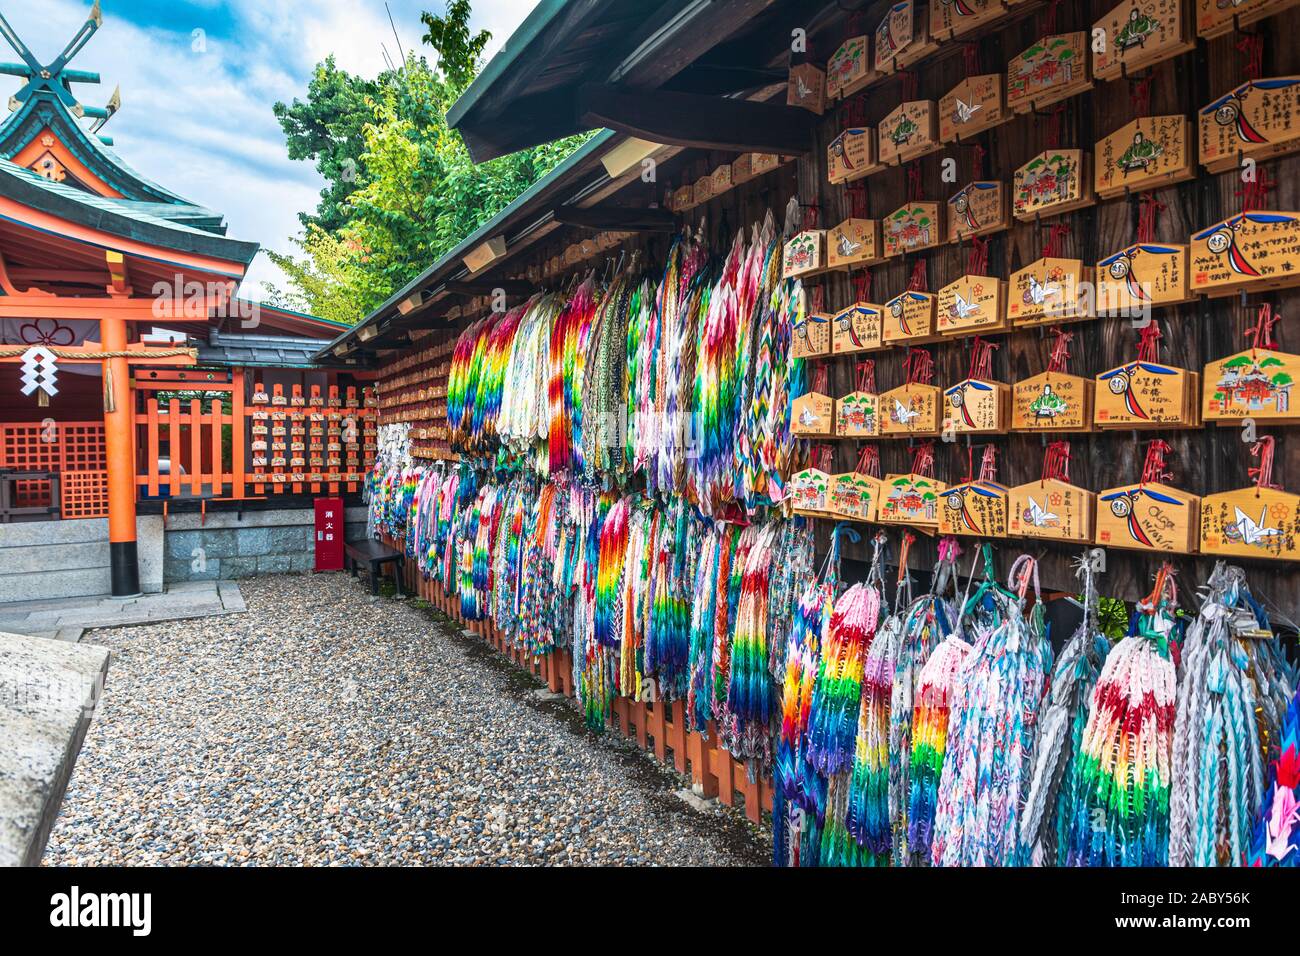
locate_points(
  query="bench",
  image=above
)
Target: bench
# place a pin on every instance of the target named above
(375, 556)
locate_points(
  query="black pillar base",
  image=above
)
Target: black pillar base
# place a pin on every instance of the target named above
(124, 564)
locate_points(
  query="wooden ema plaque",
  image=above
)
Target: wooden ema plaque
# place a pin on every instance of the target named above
(1147, 395)
(950, 19)
(1251, 523)
(1052, 402)
(854, 242)
(975, 508)
(762, 163)
(1049, 291)
(804, 253)
(812, 415)
(1255, 384)
(977, 407)
(1143, 276)
(1257, 250)
(850, 69)
(857, 415)
(852, 155)
(910, 318)
(1053, 69)
(977, 209)
(1050, 509)
(1258, 119)
(910, 410)
(859, 328)
(809, 493)
(1215, 17)
(911, 130)
(910, 499)
(1148, 517)
(806, 88)
(972, 106)
(1145, 154)
(910, 229)
(1139, 33)
(855, 496)
(1055, 181)
(810, 337)
(972, 305)
(902, 38)
(721, 179)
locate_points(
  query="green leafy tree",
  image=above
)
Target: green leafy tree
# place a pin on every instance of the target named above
(458, 51)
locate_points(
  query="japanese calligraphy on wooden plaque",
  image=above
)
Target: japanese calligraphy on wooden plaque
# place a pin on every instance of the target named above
(812, 414)
(850, 69)
(1138, 33)
(855, 496)
(804, 253)
(1053, 69)
(910, 499)
(977, 209)
(1255, 384)
(1217, 17)
(909, 131)
(977, 407)
(910, 317)
(1147, 395)
(910, 409)
(809, 492)
(950, 19)
(1252, 249)
(912, 228)
(1144, 154)
(857, 416)
(972, 106)
(902, 38)
(977, 508)
(854, 242)
(1051, 509)
(1251, 523)
(972, 305)
(1055, 181)
(1258, 119)
(810, 336)
(852, 155)
(1148, 517)
(859, 328)
(1052, 402)
(1050, 290)
(1143, 276)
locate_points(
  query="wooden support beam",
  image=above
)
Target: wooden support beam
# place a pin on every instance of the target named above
(616, 219)
(118, 278)
(473, 287)
(700, 122)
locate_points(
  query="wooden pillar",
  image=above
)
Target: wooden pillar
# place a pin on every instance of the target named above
(119, 446)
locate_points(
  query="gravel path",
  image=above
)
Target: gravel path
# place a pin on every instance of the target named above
(328, 727)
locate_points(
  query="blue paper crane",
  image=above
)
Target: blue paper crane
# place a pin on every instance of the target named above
(55, 78)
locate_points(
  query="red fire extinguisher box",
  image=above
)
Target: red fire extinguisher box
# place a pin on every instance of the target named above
(329, 534)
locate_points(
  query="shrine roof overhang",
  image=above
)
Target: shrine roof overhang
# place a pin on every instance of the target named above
(54, 207)
(258, 351)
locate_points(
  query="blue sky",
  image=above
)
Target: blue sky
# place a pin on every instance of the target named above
(196, 114)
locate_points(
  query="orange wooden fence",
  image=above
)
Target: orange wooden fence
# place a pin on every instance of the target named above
(192, 440)
(69, 448)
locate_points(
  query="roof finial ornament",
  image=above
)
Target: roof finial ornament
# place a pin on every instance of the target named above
(54, 77)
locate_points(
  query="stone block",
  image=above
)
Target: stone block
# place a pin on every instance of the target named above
(232, 568)
(253, 541)
(273, 564)
(290, 540)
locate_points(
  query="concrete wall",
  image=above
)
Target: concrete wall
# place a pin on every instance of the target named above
(235, 546)
(60, 559)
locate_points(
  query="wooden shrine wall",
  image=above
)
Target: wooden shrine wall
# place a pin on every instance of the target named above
(1210, 459)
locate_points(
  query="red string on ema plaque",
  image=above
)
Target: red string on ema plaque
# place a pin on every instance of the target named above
(912, 409)
(1054, 400)
(857, 414)
(1051, 289)
(809, 490)
(911, 317)
(978, 405)
(1254, 384)
(1261, 521)
(812, 414)
(977, 506)
(860, 327)
(855, 494)
(912, 499)
(1149, 515)
(1146, 393)
(1145, 275)
(975, 303)
(1051, 507)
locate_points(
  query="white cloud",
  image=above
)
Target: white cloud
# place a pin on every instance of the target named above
(200, 123)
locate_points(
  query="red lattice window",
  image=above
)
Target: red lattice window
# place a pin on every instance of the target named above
(52, 446)
(84, 494)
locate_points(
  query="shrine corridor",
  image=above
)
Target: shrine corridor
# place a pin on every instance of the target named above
(328, 727)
